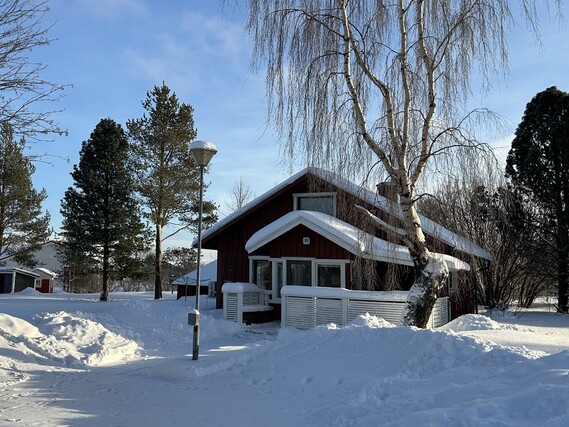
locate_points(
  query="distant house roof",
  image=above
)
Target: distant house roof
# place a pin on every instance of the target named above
(12, 270)
(344, 235)
(45, 271)
(208, 273)
(373, 198)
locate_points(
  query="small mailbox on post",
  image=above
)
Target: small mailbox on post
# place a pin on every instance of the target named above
(193, 318)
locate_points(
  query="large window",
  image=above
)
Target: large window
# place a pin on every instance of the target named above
(261, 276)
(278, 277)
(329, 275)
(319, 202)
(274, 273)
(299, 272)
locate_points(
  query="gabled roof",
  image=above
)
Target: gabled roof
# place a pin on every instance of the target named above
(12, 270)
(344, 235)
(45, 271)
(429, 227)
(208, 273)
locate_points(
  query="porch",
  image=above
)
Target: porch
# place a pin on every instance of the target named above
(305, 307)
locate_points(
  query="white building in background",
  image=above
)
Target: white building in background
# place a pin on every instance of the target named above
(47, 259)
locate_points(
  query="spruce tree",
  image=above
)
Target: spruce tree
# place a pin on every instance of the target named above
(166, 175)
(101, 216)
(23, 225)
(538, 164)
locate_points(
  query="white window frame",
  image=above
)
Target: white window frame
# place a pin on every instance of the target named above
(335, 262)
(287, 259)
(297, 196)
(313, 271)
(274, 276)
(251, 262)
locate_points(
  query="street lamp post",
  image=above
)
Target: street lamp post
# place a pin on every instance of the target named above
(202, 151)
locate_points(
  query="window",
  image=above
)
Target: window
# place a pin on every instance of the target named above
(299, 272)
(261, 273)
(319, 202)
(278, 277)
(452, 281)
(329, 275)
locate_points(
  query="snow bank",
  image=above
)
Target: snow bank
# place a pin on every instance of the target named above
(474, 372)
(474, 322)
(65, 339)
(29, 291)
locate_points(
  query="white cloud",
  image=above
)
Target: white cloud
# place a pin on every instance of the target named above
(217, 37)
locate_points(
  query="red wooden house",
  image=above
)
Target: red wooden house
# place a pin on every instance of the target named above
(304, 232)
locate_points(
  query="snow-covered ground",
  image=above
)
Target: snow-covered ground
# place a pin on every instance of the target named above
(69, 360)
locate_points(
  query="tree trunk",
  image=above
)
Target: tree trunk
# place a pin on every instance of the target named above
(158, 265)
(562, 241)
(429, 279)
(106, 275)
(563, 274)
(430, 272)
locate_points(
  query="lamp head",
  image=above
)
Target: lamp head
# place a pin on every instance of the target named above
(203, 151)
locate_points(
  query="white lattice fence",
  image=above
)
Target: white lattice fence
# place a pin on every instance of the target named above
(307, 307)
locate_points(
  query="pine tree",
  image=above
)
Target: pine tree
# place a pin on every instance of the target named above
(538, 163)
(167, 177)
(23, 227)
(101, 216)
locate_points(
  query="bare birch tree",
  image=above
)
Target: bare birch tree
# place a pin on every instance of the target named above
(353, 84)
(241, 194)
(23, 90)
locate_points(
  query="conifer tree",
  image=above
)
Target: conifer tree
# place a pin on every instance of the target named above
(23, 226)
(538, 164)
(101, 216)
(166, 175)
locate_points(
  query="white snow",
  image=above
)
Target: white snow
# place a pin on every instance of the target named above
(206, 145)
(70, 360)
(324, 292)
(344, 235)
(240, 287)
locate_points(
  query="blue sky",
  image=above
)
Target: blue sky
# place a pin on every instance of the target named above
(114, 51)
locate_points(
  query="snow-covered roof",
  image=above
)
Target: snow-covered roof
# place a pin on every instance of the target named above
(18, 270)
(373, 198)
(208, 273)
(240, 287)
(325, 292)
(45, 271)
(344, 235)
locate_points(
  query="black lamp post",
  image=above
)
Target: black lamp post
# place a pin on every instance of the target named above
(202, 151)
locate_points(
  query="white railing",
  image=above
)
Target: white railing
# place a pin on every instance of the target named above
(305, 307)
(239, 298)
